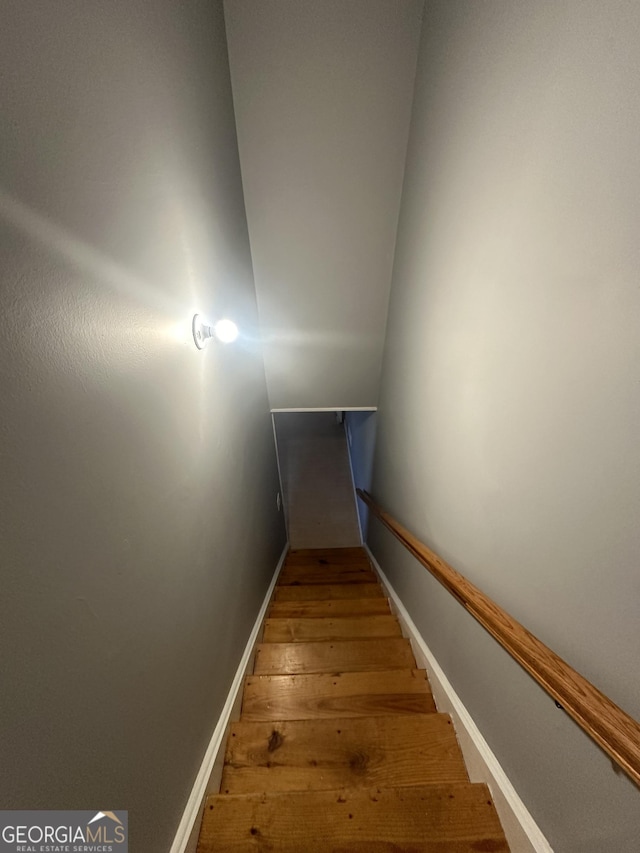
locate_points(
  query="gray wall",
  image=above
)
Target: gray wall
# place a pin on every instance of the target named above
(138, 522)
(322, 91)
(509, 416)
(361, 442)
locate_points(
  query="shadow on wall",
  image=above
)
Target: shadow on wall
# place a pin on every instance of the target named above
(361, 442)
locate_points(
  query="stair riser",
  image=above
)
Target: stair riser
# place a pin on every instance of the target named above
(323, 592)
(346, 628)
(328, 657)
(328, 609)
(305, 578)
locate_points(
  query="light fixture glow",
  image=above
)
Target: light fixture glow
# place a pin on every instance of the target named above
(225, 331)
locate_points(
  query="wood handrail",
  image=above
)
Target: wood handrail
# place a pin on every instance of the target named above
(610, 727)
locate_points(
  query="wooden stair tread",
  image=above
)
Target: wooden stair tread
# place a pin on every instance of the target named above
(323, 609)
(333, 656)
(339, 748)
(340, 555)
(330, 575)
(321, 592)
(347, 694)
(338, 628)
(307, 564)
(313, 564)
(322, 755)
(458, 818)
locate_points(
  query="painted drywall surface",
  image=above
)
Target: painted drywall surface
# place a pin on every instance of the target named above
(361, 441)
(322, 94)
(509, 415)
(138, 521)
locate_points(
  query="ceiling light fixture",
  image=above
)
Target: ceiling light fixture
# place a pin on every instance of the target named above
(224, 330)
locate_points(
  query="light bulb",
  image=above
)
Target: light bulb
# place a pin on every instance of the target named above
(225, 331)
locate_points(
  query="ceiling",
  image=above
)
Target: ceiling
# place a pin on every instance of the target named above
(322, 94)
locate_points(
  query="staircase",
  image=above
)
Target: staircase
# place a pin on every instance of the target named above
(339, 746)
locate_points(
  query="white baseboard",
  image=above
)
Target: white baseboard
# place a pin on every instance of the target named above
(208, 778)
(522, 832)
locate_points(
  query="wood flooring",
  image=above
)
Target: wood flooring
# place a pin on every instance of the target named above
(339, 747)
